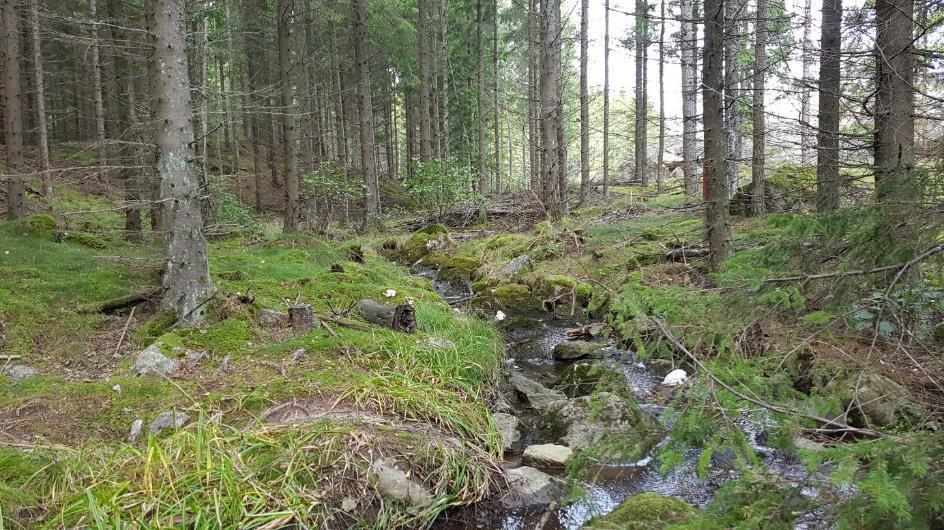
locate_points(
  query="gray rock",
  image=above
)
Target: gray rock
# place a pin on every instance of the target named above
(539, 396)
(507, 426)
(528, 487)
(515, 266)
(547, 455)
(570, 350)
(298, 355)
(437, 343)
(882, 401)
(271, 318)
(395, 484)
(136, 429)
(611, 415)
(21, 372)
(152, 361)
(808, 445)
(166, 420)
(195, 356)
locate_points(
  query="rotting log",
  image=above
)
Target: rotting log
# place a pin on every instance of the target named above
(302, 318)
(398, 318)
(123, 302)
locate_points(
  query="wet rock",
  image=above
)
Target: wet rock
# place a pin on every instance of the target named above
(882, 401)
(539, 396)
(570, 350)
(580, 378)
(649, 511)
(152, 361)
(166, 420)
(136, 427)
(675, 377)
(271, 318)
(528, 487)
(437, 343)
(21, 372)
(629, 431)
(395, 484)
(547, 455)
(508, 427)
(806, 444)
(515, 266)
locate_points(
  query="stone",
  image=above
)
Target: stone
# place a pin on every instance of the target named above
(515, 266)
(507, 426)
(136, 427)
(195, 356)
(644, 511)
(882, 401)
(547, 455)
(570, 350)
(166, 420)
(590, 419)
(528, 487)
(437, 343)
(675, 377)
(805, 444)
(298, 355)
(152, 361)
(539, 396)
(395, 484)
(21, 372)
(348, 504)
(271, 318)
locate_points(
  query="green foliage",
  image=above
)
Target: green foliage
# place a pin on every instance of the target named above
(644, 511)
(332, 182)
(438, 185)
(227, 210)
(756, 501)
(41, 225)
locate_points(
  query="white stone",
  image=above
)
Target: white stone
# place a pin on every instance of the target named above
(547, 455)
(675, 377)
(395, 484)
(135, 431)
(390, 293)
(152, 361)
(500, 315)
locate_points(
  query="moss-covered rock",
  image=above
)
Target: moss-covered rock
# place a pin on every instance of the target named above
(432, 238)
(41, 225)
(881, 401)
(514, 297)
(86, 240)
(553, 285)
(608, 427)
(484, 284)
(644, 511)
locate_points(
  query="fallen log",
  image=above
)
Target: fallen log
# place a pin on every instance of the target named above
(123, 302)
(398, 318)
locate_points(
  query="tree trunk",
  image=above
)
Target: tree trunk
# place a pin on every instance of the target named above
(606, 98)
(584, 103)
(661, 162)
(426, 150)
(233, 134)
(641, 39)
(827, 152)
(480, 100)
(446, 136)
(253, 60)
(97, 87)
(13, 111)
(435, 129)
(894, 102)
(288, 117)
(551, 119)
(732, 111)
(40, 84)
(186, 278)
(688, 44)
(716, 196)
(304, 97)
(495, 114)
(364, 108)
(806, 129)
(758, 202)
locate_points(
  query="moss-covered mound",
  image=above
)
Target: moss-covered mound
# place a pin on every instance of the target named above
(428, 239)
(454, 268)
(512, 297)
(645, 511)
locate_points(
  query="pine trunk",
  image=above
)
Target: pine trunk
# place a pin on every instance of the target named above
(40, 86)
(13, 111)
(364, 108)
(716, 196)
(758, 160)
(584, 103)
(688, 44)
(288, 117)
(827, 152)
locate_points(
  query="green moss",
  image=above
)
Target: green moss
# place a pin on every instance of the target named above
(41, 225)
(508, 297)
(459, 269)
(543, 228)
(432, 229)
(154, 327)
(425, 240)
(228, 337)
(551, 285)
(86, 240)
(487, 283)
(644, 511)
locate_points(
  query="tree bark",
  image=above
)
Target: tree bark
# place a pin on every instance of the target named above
(758, 160)
(716, 196)
(827, 152)
(13, 111)
(480, 100)
(806, 129)
(732, 111)
(426, 150)
(97, 87)
(551, 124)
(397, 318)
(661, 167)
(39, 82)
(495, 114)
(186, 279)
(364, 107)
(606, 98)
(288, 117)
(688, 44)
(253, 60)
(584, 103)
(641, 39)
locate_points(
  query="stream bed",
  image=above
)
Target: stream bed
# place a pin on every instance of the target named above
(530, 353)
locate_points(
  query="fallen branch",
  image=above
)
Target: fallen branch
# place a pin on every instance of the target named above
(835, 425)
(343, 323)
(131, 300)
(900, 267)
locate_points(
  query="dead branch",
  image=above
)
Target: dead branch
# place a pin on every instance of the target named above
(900, 267)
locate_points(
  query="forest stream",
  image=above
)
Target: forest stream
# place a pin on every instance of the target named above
(530, 353)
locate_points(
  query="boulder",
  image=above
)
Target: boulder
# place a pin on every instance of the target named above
(644, 511)
(539, 396)
(21, 372)
(166, 420)
(880, 400)
(528, 487)
(152, 361)
(508, 427)
(511, 297)
(629, 431)
(271, 318)
(395, 484)
(432, 238)
(547, 455)
(515, 266)
(570, 350)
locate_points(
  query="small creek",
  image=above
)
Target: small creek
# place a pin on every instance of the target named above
(530, 353)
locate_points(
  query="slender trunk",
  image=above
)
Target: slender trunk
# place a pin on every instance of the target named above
(827, 162)
(232, 135)
(584, 103)
(288, 117)
(97, 87)
(364, 107)
(534, 141)
(716, 196)
(642, 37)
(688, 45)
(186, 278)
(339, 125)
(758, 202)
(426, 150)
(40, 99)
(444, 129)
(304, 96)
(732, 112)
(551, 125)
(435, 129)
(606, 98)
(13, 111)
(253, 60)
(480, 100)
(495, 114)
(806, 129)
(661, 163)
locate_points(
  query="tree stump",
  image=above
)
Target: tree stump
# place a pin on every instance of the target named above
(398, 318)
(302, 318)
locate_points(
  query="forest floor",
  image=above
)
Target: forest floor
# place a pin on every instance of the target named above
(282, 427)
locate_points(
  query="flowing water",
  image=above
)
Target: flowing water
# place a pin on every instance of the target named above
(530, 352)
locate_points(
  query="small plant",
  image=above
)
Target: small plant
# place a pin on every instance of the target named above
(439, 185)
